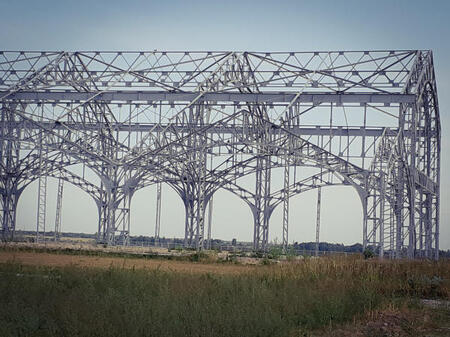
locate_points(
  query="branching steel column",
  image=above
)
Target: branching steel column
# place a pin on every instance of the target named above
(262, 211)
(123, 220)
(124, 193)
(200, 211)
(8, 209)
(9, 160)
(262, 204)
(108, 205)
(195, 183)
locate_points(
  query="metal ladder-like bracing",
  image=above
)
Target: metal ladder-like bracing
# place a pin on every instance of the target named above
(58, 219)
(158, 212)
(319, 197)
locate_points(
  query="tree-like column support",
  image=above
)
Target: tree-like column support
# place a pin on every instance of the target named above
(8, 203)
(194, 181)
(201, 204)
(9, 159)
(107, 207)
(194, 203)
(114, 207)
(114, 218)
(122, 224)
(9, 163)
(262, 210)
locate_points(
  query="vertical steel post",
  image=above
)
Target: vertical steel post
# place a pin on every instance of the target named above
(412, 185)
(58, 219)
(210, 211)
(286, 204)
(42, 187)
(319, 196)
(158, 211)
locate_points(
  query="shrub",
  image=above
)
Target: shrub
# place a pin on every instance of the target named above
(368, 253)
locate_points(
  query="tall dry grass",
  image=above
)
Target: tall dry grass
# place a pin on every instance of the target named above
(279, 300)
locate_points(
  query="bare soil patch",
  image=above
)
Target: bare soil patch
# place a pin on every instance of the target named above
(61, 260)
(401, 322)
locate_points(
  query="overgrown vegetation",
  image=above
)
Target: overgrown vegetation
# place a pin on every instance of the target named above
(290, 299)
(368, 253)
(191, 255)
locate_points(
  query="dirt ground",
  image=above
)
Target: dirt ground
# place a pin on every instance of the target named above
(61, 260)
(425, 322)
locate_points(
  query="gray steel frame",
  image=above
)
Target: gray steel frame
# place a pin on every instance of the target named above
(203, 121)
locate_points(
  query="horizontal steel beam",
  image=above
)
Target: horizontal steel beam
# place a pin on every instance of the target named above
(213, 98)
(186, 127)
(423, 181)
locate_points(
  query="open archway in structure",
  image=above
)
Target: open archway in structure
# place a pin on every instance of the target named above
(231, 217)
(341, 217)
(143, 213)
(79, 212)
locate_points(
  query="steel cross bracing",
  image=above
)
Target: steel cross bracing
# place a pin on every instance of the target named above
(114, 122)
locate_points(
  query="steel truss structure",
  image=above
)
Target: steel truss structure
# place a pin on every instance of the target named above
(114, 122)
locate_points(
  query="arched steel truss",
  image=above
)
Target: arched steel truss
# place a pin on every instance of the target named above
(201, 121)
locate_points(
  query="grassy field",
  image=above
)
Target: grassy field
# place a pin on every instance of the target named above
(313, 297)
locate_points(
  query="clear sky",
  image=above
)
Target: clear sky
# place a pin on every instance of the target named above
(234, 25)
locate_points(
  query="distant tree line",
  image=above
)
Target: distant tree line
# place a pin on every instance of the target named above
(329, 247)
(143, 240)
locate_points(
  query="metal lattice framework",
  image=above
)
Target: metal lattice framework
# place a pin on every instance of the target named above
(114, 122)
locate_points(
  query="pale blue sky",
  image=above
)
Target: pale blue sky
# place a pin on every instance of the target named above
(236, 25)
